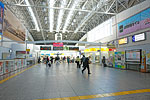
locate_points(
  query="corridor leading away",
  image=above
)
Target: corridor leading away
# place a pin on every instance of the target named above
(59, 81)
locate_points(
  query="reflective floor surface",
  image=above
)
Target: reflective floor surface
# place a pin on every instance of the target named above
(63, 80)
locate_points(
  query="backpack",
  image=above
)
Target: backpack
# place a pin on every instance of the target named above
(83, 59)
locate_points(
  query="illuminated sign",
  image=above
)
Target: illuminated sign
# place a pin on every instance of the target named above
(0, 37)
(57, 48)
(96, 49)
(123, 41)
(137, 22)
(45, 48)
(57, 44)
(138, 37)
(74, 48)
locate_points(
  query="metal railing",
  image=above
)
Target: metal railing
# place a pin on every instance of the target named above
(10, 66)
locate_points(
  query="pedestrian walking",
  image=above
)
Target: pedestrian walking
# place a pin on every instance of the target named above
(86, 65)
(104, 61)
(83, 61)
(47, 60)
(78, 62)
(51, 59)
(68, 60)
(64, 58)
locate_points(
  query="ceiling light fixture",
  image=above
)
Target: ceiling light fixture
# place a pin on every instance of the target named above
(61, 12)
(32, 15)
(70, 15)
(51, 15)
(79, 13)
(74, 20)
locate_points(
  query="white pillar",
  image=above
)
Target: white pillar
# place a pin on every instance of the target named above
(100, 54)
(26, 39)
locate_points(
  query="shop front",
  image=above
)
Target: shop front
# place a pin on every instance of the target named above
(95, 53)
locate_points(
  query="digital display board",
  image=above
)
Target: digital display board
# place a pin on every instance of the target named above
(74, 48)
(138, 37)
(57, 48)
(45, 48)
(123, 41)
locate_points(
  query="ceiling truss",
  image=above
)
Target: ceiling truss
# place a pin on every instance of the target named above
(86, 15)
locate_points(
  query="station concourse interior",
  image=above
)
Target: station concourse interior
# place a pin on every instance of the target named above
(74, 49)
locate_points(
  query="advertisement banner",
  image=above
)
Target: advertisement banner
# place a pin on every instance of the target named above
(1, 17)
(148, 57)
(120, 60)
(137, 22)
(111, 59)
(143, 63)
(1, 68)
(0, 38)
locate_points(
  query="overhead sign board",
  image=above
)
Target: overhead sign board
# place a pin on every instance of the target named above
(45, 48)
(135, 23)
(57, 48)
(74, 48)
(123, 41)
(57, 44)
(138, 37)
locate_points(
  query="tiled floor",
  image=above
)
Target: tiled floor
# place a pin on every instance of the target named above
(62, 80)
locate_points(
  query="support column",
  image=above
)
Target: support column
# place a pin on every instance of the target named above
(100, 54)
(26, 40)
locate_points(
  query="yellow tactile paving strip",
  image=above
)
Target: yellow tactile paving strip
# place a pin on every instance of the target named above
(100, 95)
(2, 81)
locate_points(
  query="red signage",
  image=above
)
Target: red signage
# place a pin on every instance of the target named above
(57, 44)
(113, 49)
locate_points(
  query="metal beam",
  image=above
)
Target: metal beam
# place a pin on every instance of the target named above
(111, 5)
(38, 20)
(59, 8)
(122, 4)
(56, 30)
(86, 18)
(65, 41)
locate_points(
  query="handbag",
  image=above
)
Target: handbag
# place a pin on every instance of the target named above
(89, 62)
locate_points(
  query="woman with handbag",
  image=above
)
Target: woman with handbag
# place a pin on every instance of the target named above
(78, 61)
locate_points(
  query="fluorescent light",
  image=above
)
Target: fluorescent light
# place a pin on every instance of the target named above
(63, 2)
(61, 12)
(32, 15)
(70, 15)
(51, 15)
(74, 20)
(79, 13)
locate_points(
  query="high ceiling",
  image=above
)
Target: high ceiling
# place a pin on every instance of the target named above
(72, 18)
